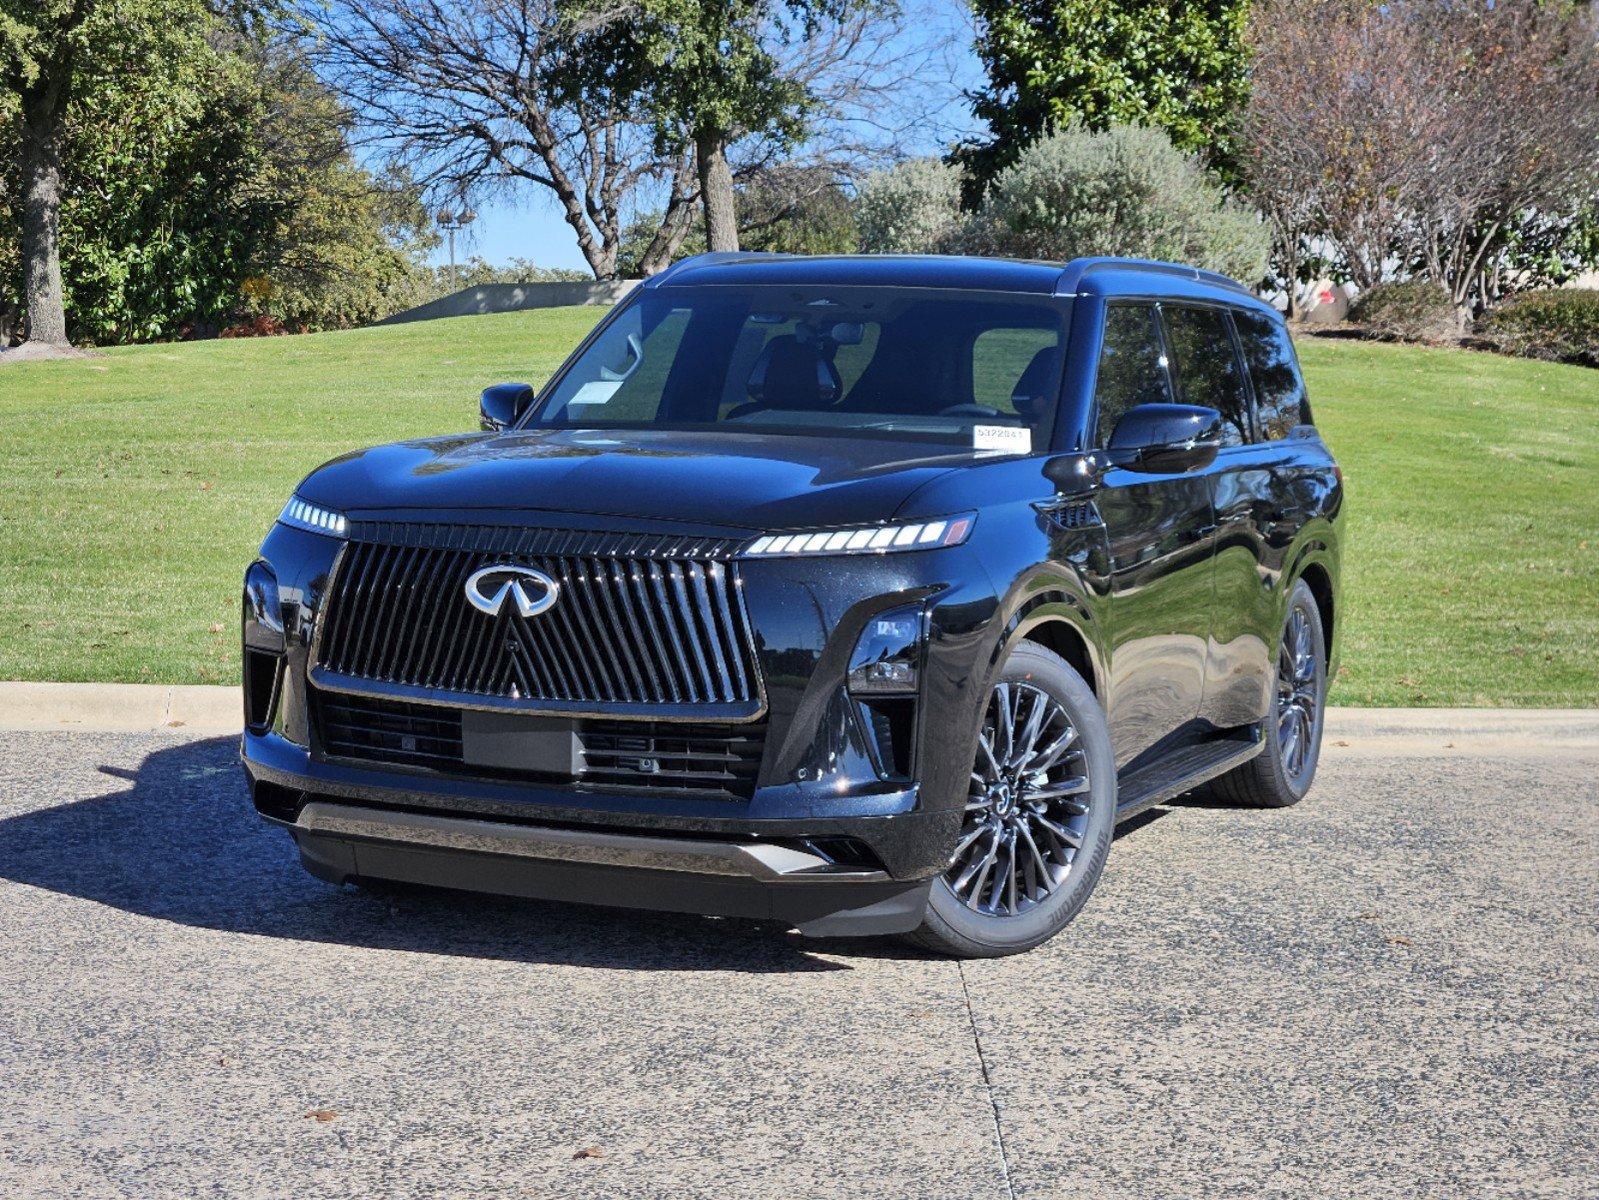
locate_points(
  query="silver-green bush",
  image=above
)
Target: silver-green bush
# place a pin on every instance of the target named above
(912, 208)
(1126, 191)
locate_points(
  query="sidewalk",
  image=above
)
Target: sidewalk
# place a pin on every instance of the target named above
(137, 707)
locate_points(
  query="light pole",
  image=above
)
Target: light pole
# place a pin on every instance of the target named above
(451, 220)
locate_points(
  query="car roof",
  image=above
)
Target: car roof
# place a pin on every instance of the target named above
(1103, 277)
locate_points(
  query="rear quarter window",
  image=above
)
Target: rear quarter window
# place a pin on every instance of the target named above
(1280, 401)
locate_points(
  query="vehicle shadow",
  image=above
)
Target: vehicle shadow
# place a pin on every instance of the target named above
(184, 844)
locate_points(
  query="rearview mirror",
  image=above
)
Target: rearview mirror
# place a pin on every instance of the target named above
(503, 404)
(1166, 439)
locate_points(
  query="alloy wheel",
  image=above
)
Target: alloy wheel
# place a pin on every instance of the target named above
(1297, 695)
(1027, 806)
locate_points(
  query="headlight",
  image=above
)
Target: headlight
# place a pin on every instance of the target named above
(873, 539)
(301, 515)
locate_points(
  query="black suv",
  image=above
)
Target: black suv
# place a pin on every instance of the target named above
(862, 594)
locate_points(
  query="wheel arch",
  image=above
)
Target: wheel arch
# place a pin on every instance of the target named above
(1319, 580)
(1062, 624)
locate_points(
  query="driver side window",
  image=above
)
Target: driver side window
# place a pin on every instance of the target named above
(1132, 365)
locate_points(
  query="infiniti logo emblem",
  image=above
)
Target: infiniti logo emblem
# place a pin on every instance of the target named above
(533, 591)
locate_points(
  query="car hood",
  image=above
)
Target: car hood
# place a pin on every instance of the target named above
(752, 481)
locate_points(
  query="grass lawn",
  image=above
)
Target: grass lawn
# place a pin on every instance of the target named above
(137, 485)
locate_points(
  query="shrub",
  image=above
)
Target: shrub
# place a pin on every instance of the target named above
(1558, 325)
(1126, 191)
(912, 208)
(1412, 310)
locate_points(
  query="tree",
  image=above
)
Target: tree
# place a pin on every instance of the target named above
(481, 95)
(205, 177)
(755, 79)
(40, 41)
(1179, 65)
(1449, 141)
(1124, 191)
(784, 209)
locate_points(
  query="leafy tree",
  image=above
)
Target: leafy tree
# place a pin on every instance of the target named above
(712, 72)
(40, 43)
(1179, 65)
(205, 177)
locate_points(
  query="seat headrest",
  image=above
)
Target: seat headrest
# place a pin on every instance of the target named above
(1029, 397)
(793, 374)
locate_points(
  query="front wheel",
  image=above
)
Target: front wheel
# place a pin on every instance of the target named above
(1040, 812)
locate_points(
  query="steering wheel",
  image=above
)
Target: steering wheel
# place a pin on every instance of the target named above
(969, 410)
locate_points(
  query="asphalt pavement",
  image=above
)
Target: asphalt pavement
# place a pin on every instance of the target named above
(1390, 990)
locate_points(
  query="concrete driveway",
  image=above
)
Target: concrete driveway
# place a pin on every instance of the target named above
(1390, 990)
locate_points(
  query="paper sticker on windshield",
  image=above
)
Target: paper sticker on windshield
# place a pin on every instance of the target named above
(597, 392)
(1012, 439)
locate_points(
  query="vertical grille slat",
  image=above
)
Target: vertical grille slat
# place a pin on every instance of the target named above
(640, 619)
(677, 656)
(727, 627)
(614, 629)
(702, 601)
(685, 612)
(638, 576)
(624, 600)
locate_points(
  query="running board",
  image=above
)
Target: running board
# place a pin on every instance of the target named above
(1182, 771)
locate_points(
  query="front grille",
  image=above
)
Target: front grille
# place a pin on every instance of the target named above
(658, 756)
(641, 622)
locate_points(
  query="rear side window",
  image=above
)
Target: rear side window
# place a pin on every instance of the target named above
(1207, 368)
(1273, 369)
(1132, 366)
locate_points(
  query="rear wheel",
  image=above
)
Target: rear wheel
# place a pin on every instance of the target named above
(1040, 812)
(1283, 771)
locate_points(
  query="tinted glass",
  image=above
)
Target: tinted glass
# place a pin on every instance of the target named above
(846, 361)
(1207, 368)
(1132, 369)
(1273, 369)
(1010, 367)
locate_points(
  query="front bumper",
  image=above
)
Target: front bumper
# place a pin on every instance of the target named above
(760, 880)
(354, 822)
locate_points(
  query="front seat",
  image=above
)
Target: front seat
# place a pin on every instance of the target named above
(1030, 396)
(793, 375)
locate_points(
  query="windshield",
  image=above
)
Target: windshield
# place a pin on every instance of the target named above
(971, 368)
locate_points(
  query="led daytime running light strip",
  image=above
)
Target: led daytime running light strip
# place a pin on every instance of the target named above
(308, 516)
(878, 539)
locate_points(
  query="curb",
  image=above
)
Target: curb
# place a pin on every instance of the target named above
(120, 707)
(1409, 732)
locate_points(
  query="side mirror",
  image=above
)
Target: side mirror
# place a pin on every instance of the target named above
(1074, 474)
(1166, 439)
(503, 404)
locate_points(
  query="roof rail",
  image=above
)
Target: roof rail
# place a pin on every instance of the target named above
(710, 258)
(1071, 278)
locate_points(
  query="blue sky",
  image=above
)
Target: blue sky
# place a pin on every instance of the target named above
(529, 225)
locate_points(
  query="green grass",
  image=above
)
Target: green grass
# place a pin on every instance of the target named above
(136, 486)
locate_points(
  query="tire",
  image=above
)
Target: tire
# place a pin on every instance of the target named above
(1038, 885)
(1283, 771)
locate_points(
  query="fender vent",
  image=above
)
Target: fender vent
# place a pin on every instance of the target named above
(1080, 514)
